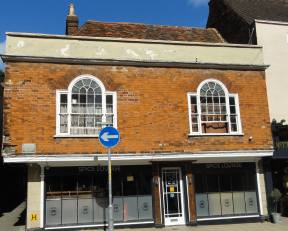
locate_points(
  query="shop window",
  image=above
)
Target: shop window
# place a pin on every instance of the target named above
(85, 108)
(213, 110)
(220, 193)
(81, 197)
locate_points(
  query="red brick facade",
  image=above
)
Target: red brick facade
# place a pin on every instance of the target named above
(152, 108)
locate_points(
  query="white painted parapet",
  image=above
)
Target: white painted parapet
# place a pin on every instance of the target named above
(78, 47)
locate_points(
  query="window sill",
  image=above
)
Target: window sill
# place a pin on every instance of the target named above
(76, 136)
(216, 134)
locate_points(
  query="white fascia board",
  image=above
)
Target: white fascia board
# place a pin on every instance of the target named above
(136, 157)
(271, 22)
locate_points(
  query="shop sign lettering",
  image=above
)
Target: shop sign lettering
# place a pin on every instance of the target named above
(98, 169)
(224, 165)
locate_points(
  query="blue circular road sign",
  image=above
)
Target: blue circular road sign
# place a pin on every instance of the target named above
(109, 137)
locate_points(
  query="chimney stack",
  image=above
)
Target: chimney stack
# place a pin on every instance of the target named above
(71, 21)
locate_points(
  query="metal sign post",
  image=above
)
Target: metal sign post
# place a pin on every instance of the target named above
(110, 208)
(109, 137)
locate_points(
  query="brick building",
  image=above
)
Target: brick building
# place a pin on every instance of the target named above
(264, 23)
(191, 109)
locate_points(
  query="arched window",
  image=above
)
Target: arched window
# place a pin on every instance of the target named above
(212, 110)
(85, 108)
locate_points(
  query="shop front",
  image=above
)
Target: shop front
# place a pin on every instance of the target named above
(226, 190)
(195, 193)
(78, 196)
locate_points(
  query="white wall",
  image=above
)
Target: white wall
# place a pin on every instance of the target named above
(273, 37)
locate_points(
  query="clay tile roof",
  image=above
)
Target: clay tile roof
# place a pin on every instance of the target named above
(274, 10)
(153, 32)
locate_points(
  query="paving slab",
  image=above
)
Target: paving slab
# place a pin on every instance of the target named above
(8, 220)
(265, 226)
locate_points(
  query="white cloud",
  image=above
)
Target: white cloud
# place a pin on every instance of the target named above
(198, 2)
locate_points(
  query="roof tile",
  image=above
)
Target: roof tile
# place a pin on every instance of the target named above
(249, 10)
(153, 32)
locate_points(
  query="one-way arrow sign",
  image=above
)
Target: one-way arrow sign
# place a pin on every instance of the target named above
(109, 137)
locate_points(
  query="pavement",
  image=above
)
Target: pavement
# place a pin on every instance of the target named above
(8, 221)
(265, 226)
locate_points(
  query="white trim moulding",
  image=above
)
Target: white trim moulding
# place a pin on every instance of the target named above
(223, 218)
(134, 157)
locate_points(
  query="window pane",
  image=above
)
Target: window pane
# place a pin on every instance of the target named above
(83, 90)
(109, 120)
(63, 103)
(109, 99)
(83, 98)
(90, 98)
(98, 90)
(200, 183)
(98, 108)
(63, 124)
(212, 183)
(86, 82)
(225, 183)
(194, 119)
(234, 128)
(53, 187)
(129, 185)
(194, 108)
(94, 85)
(69, 188)
(75, 98)
(98, 98)
(232, 100)
(109, 104)
(75, 89)
(90, 108)
(63, 99)
(79, 84)
(222, 100)
(84, 186)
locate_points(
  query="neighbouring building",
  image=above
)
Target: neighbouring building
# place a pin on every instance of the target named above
(13, 193)
(265, 23)
(1, 107)
(191, 109)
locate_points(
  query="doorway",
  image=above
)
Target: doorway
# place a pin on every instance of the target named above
(172, 193)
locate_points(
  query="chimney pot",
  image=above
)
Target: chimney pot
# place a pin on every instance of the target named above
(71, 10)
(71, 21)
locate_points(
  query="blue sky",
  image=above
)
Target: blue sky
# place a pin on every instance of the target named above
(48, 16)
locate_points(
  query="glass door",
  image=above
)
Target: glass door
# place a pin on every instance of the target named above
(172, 192)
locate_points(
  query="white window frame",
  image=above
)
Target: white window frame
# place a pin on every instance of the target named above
(69, 109)
(227, 95)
